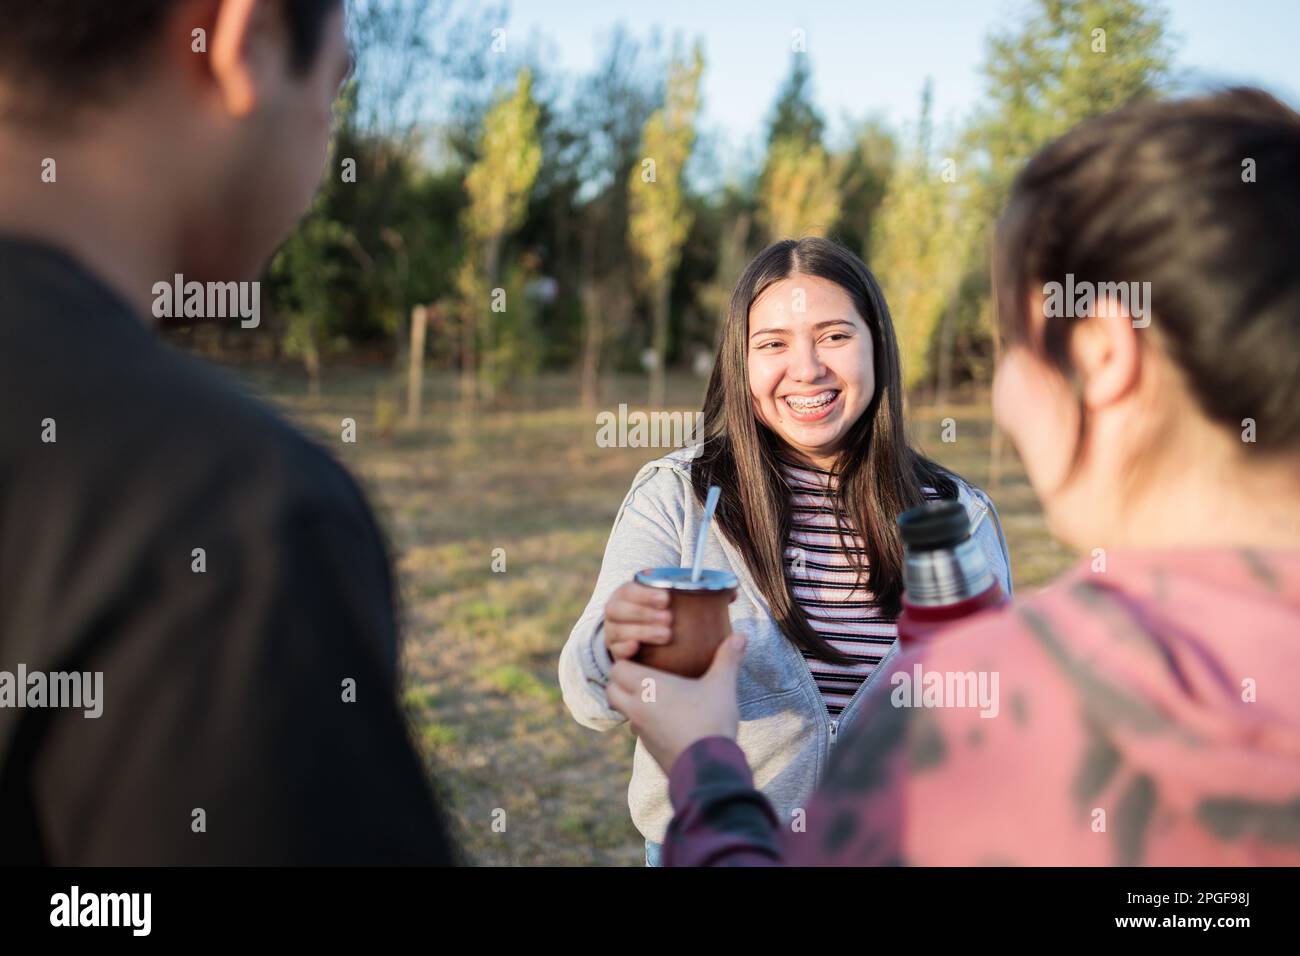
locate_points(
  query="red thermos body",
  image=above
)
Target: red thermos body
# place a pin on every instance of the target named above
(945, 574)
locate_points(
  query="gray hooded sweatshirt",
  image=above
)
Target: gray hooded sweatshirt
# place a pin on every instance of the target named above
(785, 730)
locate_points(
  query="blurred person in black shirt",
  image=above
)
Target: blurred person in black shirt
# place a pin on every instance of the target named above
(248, 709)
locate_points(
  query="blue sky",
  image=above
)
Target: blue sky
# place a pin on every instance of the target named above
(871, 58)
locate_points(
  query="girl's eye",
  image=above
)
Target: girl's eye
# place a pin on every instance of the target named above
(777, 343)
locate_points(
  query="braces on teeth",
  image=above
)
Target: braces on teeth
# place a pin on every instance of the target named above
(803, 403)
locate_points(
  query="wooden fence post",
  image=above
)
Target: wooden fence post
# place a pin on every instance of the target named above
(415, 377)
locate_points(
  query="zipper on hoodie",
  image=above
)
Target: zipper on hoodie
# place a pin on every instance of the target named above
(832, 724)
(859, 692)
(835, 724)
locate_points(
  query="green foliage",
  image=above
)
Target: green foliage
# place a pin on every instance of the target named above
(800, 190)
(511, 344)
(516, 182)
(795, 117)
(660, 219)
(498, 186)
(302, 274)
(510, 156)
(381, 236)
(920, 245)
(1042, 78)
(865, 170)
(1052, 72)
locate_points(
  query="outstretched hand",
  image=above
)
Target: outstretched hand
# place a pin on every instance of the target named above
(669, 713)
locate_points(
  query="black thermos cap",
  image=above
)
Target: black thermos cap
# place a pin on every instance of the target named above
(935, 524)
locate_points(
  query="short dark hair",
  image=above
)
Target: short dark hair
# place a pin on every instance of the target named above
(65, 52)
(1201, 198)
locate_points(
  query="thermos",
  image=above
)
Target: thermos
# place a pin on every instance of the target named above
(945, 574)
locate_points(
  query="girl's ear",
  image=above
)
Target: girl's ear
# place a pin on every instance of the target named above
(1106, 352)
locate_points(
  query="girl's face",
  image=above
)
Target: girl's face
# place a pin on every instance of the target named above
(810, 362)
(1032, 404)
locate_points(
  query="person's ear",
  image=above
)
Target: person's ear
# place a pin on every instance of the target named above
(245, 52)
(1107, 353)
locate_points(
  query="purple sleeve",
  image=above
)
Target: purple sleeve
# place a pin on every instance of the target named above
(720, 819)
(856, 817)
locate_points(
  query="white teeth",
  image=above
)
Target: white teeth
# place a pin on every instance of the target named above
(807, 404)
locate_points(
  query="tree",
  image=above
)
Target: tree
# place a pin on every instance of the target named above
(867, 164)
(301, 273)
(395, 59)
(349, 272)
(735, 216)
(498, 185)
(659, 219)
(794, 116)
(1070, 60)
(920, 245)
(613, 105)
(800, 190)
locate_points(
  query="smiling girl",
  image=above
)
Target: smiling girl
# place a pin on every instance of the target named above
(803, 432)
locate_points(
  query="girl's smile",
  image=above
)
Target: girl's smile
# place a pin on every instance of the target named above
(813, 408)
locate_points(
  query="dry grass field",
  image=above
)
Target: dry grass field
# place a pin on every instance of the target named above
(481, 646)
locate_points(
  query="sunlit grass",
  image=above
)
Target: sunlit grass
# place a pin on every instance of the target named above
(528, 485)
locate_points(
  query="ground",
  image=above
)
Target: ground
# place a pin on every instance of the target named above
(482, 646)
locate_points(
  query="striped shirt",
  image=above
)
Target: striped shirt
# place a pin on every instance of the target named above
(825, 584)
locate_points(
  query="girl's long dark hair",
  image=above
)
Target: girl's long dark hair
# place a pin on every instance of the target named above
(880, 474)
